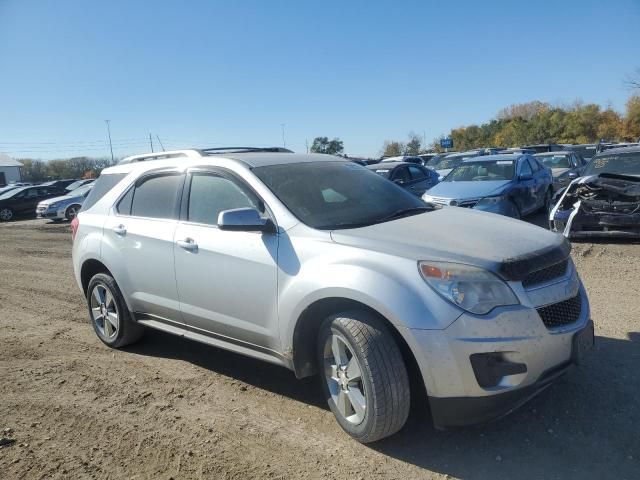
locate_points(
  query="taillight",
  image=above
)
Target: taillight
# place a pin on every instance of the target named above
(75, 223)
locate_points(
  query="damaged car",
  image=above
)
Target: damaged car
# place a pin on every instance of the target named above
(605, 201)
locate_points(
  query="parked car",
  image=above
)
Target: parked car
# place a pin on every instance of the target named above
(78, 183)
(565, 166)
(414, 178)
(585, 150)
(605, 201)
(444, 165)
(9, 187)
(430, 159)
(510, 185)
(60, 184)
(544, 147)
(608, 146)
(23, 200)
(403, 158)
(64, 207)
(347, 276)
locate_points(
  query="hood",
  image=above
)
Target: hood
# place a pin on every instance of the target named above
(62, 198)
(462, 190)
(508, 247)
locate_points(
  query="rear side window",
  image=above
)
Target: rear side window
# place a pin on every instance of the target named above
(102, 185)
(156, 196)
(416, 173)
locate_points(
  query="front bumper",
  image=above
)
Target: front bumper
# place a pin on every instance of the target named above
(51, 213)
(533, 354)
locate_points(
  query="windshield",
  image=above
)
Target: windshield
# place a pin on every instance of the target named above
(585, 151)
(554, 161)
(482, 171)
(75, 185)
(80, 191)
(333, 195)
(621, 164)
(448, 162)
(11, 193)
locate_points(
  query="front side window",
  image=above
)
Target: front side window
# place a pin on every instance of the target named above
(416, 173)
(156, 196)
(211, 194)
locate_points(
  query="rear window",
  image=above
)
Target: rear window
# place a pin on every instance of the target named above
(102, 185)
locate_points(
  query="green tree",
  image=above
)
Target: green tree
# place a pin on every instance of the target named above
(631, 127)
(393, 149)
(324, 145)
(414, 145)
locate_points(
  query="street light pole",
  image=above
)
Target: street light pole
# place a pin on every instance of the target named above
(109, 133)
(284, 144)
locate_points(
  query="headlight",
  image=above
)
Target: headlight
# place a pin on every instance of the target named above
(471, 288)
(492, 200)
(427, 198)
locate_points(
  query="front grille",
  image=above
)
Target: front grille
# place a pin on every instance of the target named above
(468, 203)
(546, 274)
(561, 313)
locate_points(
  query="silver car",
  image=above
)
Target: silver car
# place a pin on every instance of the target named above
(321, 266)
(65, 207)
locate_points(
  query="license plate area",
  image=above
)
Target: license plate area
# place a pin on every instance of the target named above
(582, 343)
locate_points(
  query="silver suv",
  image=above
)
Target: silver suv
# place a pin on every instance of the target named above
(321, 266)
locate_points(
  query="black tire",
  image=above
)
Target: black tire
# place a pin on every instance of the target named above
(127, 331)
(71, 212)
(384, 377)
(6, 214)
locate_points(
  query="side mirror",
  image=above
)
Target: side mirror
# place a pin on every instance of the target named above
(525, 177)
(398, 181)
(244, 220)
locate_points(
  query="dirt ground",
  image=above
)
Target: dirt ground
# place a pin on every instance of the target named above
(170, 408)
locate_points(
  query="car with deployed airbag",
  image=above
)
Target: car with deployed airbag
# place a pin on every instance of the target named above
(319, 265)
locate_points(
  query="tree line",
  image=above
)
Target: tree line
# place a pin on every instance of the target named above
(520, 124)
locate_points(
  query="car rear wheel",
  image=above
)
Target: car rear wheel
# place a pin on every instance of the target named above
(71, 212)
(109, 314)
(363, 375)
(6, 214)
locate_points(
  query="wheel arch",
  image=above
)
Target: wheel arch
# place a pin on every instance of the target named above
(308, 326)
(90, 268)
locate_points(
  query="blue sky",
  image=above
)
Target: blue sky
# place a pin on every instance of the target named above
(199, 73)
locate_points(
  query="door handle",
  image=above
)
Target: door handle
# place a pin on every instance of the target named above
(120, 230)
(188, 244)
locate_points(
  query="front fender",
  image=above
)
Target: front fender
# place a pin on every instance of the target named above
(391, 286)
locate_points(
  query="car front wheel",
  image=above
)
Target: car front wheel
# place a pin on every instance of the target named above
(363, 375)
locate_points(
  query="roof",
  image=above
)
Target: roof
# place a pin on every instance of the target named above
(263, 159)
(493, 158)
(7, 161)
(553, 154)
(388, 165)
(632, 149)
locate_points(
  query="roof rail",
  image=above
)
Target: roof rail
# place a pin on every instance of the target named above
(160, 156)
(222, 150)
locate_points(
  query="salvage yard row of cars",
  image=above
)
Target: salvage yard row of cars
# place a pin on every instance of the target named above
(56, 200)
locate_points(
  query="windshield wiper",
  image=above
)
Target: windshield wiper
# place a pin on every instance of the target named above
(403, 212)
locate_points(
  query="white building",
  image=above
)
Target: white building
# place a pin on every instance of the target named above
(9, 170)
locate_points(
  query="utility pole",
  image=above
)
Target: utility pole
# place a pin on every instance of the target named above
(110, 145)
(161, 145)
(151, 142)
(284, 144)
(306, 141)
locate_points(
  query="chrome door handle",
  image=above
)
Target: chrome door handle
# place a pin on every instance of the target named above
(188, 244)
(120, 230)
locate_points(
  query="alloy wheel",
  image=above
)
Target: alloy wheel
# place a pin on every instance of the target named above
(104, 311)
(344, 378)
(72, 212)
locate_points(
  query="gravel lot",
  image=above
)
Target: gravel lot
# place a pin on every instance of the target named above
(168, 407)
